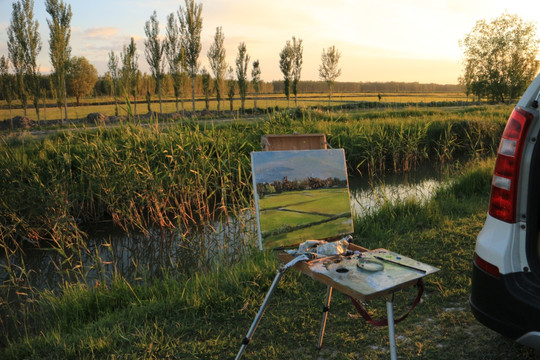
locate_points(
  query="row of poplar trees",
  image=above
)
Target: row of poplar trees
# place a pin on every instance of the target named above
(181, 48)
(24, 45)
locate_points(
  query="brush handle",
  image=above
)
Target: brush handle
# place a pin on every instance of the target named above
(400, 264)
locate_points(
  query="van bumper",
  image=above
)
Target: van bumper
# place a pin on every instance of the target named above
(505, 304)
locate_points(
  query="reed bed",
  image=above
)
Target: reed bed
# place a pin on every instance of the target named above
(137, 177)
(398, 140)
(190, 174)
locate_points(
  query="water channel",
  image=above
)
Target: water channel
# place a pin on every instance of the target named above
(139, 258)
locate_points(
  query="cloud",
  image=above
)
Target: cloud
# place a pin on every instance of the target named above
(100, 33)
(45, 69)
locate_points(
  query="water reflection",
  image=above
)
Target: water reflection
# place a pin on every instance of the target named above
(368, 194)
(140, 258)
(367, 201)
(135, 257)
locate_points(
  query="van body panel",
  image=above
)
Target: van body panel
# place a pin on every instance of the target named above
(509, 301)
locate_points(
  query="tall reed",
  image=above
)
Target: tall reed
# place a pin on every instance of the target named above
(188, 174)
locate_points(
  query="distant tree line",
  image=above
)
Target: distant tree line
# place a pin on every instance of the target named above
(104, 87)
(357, 87)
(310, 183)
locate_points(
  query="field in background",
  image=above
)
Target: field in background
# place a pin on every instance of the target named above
(264, 102)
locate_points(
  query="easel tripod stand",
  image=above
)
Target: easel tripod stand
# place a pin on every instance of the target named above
(326, 308)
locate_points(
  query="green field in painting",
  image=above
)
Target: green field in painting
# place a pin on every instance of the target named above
(285, 218)
(327, 201)
(275, 219)
(336, 227)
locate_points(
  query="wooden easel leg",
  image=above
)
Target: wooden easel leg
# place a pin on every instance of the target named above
(326, 308)
(391, 329)
(260, 314)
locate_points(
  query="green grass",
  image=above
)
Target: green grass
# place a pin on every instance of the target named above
(207, 315)
(317, 201)
(326, 201)
(55, 187)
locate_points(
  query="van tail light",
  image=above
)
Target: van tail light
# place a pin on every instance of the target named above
(487, 267)
(502, 204)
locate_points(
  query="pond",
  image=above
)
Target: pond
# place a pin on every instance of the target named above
(136, 257)
(140, 258)
(368, 194)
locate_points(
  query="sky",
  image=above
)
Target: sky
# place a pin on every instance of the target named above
(270, 166)
(379, 40)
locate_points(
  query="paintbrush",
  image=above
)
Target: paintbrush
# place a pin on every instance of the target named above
(400, 264)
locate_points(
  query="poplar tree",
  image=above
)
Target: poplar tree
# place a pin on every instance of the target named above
(286, 57)
(60, 51)
(256, 81)
(205, 82)
(24, 44)
(33, 49)
(130, 72)
(114, 72)
(154, 49)
(6, 84)
(175, 57)
(16, 47)
(328, 70)
(191, 28)
(242, 62)
(296, 66)
(216, 57)
(231, 86)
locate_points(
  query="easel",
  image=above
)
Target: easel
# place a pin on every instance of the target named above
(303, 266)
(301, 263)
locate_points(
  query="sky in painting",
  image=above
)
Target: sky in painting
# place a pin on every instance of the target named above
(270, 166)
(386, 40)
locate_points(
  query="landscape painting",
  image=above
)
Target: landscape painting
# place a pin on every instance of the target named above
(300, 195)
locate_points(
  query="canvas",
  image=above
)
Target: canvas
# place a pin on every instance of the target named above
(300, 195)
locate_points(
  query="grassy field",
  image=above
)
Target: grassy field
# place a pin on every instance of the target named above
(266, 101)
(206, 316)
(325, 230)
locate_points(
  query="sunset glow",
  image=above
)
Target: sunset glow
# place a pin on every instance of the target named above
(389, 40)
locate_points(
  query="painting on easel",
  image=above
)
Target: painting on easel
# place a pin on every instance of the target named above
(300, 195)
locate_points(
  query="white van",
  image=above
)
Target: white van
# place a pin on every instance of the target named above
(505, 293)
